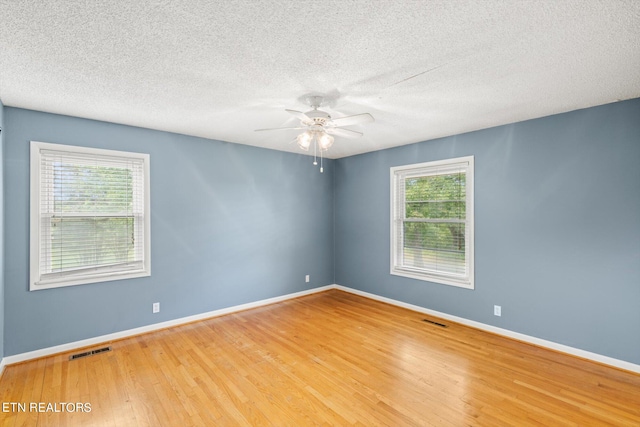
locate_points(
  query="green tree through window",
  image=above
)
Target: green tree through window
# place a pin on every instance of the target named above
(93, 223)
(439, 244)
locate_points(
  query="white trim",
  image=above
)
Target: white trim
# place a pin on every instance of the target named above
(606, 360)
(22, 357)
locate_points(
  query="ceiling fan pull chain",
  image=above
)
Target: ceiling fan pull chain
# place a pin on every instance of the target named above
(315, 151)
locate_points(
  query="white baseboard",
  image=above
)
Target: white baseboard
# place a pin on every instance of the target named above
(621, 364)
(22, 357)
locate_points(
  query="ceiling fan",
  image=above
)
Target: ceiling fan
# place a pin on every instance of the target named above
(319, 127)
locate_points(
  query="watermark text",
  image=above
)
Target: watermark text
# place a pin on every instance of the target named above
(46, 407)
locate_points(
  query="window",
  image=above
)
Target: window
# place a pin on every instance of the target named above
(432, 221)
(89, 215)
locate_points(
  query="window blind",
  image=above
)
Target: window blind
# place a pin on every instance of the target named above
(92, 214)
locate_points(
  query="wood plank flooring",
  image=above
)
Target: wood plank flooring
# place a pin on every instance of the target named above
(332, 359)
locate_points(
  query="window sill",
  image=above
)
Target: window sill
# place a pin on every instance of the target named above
(71, 281)
(426, 277)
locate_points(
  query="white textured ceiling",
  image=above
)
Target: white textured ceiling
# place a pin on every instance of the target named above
(423, 69)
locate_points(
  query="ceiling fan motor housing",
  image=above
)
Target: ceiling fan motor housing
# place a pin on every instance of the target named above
(317, 117)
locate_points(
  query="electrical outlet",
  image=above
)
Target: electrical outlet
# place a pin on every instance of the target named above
(306, 278)
(497, 310)
(156, 307)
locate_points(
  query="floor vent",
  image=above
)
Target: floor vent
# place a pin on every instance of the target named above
(442, 325)
(89, 353)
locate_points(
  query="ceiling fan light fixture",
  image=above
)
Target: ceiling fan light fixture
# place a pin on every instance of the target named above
(304, 140)
(325, 141)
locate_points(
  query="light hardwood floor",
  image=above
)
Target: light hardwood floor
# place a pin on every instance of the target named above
(331, 358)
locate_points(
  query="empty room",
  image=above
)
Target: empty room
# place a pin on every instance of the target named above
(293, 213)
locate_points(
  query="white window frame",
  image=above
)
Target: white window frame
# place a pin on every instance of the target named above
(397, 215)
(36, 281)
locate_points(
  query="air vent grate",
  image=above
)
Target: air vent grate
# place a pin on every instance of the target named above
(89, 353)
(442, 325)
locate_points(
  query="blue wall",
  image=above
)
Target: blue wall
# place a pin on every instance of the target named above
(1, 233)
(557, 228)
(230, 224)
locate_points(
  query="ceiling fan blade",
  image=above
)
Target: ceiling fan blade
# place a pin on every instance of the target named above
(352, 120)
(297, 127)
(300, 115)
(347, 133)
